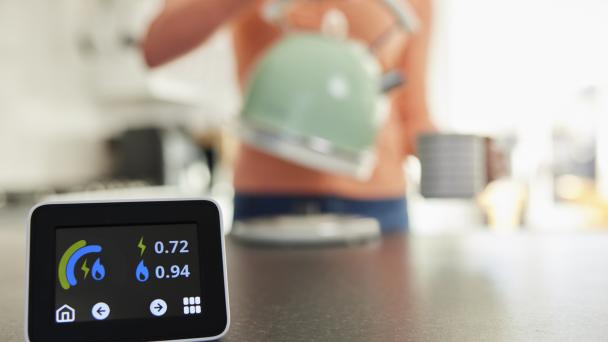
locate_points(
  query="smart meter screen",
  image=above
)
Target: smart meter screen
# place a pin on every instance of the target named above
(127, 272)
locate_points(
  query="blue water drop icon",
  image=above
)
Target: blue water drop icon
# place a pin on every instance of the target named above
(141, 273)
(98, 272)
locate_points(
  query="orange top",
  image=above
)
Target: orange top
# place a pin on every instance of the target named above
(184, 24)
(261, 173)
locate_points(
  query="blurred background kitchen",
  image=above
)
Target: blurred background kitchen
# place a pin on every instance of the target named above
(517, 89)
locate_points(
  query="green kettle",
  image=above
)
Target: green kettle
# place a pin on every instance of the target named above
(318, 100)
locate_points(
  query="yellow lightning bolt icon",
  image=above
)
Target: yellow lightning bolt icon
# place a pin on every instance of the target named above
(85, 269)
(141, 246)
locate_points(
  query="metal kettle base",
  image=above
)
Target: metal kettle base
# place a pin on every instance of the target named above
(312, 152)
(307, 230)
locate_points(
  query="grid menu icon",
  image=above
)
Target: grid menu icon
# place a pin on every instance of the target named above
(192, 305)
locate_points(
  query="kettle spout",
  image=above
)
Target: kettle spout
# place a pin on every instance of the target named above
(390, 80)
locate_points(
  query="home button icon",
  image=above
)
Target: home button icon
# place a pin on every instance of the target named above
(65, 314)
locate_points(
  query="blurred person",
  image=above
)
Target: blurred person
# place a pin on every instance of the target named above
(266, 185)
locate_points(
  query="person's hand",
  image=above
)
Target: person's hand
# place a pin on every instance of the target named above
(183, 25)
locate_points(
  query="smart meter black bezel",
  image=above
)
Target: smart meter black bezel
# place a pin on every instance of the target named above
(40, 307)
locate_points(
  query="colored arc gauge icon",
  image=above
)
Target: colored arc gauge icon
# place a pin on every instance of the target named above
(67, 264)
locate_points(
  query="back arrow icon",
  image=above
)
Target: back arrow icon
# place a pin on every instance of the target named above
(100, 311)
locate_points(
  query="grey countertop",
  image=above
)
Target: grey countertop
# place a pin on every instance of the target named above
(474, 287)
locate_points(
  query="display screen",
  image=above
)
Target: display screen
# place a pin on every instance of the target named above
(127, 272)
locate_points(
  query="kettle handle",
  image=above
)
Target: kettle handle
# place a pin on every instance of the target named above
(407, 18)
(405, 13)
